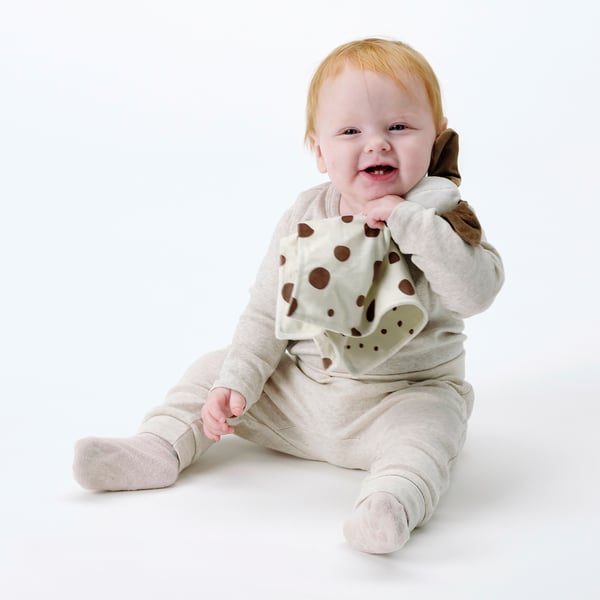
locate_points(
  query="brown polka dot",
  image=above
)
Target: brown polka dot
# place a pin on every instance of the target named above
(282, 260)
(355, 332)
(399, 323)
(293, 307)
(406, 287)
(393, 257)
(377, 269)
(371, 311)
(326, 363)
(305, 230)
(347, 218)
(361, 345)
(330, 312)
(319, 278)
(376, 348)
(384, 331)
(360, 300)
(372, 231)
(341, 253)
(348, 347)
(411, 331)
(286, 291)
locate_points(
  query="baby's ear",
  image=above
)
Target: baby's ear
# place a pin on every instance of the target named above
(321, 164)
(444, 156)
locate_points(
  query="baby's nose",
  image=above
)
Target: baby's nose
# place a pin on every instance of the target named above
(377, 143)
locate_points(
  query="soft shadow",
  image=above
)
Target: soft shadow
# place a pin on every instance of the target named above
(232, 451)
(494, 470)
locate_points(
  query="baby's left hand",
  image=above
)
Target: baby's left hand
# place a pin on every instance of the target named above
(378, 211)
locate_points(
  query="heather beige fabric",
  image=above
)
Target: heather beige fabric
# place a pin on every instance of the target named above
(378, 525)
(141, 462)
(452, 280)
(406, 432)
(404, 422)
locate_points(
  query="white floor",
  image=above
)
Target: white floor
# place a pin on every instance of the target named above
(520, 521)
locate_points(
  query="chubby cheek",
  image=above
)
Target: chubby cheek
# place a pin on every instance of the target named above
(426, 152)
(339, 166)
(417, 162)
(422, 166)
(335, 159)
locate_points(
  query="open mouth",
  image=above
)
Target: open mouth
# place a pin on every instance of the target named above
(379, 169)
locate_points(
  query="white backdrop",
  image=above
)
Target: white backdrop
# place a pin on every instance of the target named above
(146, 151)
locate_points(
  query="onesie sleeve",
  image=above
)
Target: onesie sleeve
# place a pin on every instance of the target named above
(465, 277)
(255, 352)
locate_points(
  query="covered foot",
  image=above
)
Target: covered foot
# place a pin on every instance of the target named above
(378, 525)
(144, 461)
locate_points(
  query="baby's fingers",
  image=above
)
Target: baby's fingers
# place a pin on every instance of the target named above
(374, 222)
(237, 403)
(214, 423)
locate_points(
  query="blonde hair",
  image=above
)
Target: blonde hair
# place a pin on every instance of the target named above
(387, 57)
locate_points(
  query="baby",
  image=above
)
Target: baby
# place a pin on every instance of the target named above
(376, 126)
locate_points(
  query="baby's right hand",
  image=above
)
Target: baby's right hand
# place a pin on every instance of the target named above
(221, 404)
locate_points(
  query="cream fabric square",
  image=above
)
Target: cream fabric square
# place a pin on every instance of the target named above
(347, 286)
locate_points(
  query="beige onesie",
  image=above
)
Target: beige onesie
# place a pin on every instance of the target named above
(404, 421)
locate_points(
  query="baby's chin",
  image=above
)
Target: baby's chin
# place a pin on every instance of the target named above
(380, 191)
(374, 197)
(357, 203)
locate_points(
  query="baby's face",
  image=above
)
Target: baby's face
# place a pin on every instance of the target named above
(373, 137)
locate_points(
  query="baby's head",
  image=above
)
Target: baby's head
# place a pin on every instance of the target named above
(393, 59)
(374, 111)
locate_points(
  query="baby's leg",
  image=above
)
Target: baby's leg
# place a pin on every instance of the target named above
(413, 444)
(169, 440)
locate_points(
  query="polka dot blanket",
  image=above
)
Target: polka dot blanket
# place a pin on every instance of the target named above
(346, 285)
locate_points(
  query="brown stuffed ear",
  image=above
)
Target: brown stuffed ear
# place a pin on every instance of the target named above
(444, 156)
(465, 223)
(444, 163)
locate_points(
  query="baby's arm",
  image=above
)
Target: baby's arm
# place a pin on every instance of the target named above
(437, 193)
(466, 277)
(255, 352)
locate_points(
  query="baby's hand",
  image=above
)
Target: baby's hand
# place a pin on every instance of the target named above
(378, 211)
(221, 404)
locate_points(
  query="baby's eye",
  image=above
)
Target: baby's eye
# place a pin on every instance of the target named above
(397, 127)
(350, 131)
